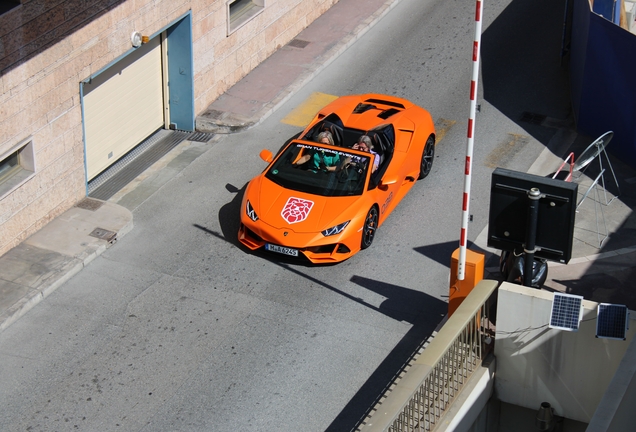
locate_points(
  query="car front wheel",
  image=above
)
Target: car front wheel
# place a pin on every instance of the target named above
(370, 225)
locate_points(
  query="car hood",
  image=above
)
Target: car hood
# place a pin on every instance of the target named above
(298, 211)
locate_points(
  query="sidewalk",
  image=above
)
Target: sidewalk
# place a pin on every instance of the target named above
(39, 265)
(43, 262)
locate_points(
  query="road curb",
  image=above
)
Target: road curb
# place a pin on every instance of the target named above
(66, 266)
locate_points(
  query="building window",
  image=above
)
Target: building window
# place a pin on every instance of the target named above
(16, 167)
(240, 12)
(7, 5)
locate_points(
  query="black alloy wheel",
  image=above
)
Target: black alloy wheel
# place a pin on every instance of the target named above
(370, 225)
(427, 157)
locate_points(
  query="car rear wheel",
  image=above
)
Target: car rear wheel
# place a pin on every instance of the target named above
(427, 157)
(370, 225)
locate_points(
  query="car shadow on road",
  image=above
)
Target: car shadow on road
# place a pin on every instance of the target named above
(424, 313)
(421, 310)
(229, 218)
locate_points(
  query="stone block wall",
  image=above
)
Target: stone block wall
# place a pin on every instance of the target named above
(47, 47)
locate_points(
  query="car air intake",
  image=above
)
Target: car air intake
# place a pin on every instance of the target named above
(383, 102)
(362, 107)
(388, 113)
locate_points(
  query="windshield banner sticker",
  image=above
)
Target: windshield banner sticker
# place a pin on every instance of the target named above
(333, 152)
(296, 210)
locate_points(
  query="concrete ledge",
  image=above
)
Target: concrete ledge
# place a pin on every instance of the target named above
(472, 399)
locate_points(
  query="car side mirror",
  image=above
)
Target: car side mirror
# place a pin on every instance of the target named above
(266, 155)
(384, 184)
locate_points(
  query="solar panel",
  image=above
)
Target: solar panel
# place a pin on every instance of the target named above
(566, 312)
(612, 321)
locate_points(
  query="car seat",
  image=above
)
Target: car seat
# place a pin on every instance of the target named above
(333, 124)
(378, 147)
(336, 133)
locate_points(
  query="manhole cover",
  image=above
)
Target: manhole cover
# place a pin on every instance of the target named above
(89, 204)
(103, 234)
(298, 43)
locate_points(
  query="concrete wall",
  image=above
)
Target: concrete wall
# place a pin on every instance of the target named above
(615, 412)
(48, 46)
(570, 370)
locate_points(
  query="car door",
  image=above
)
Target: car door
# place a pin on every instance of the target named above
(385, 183)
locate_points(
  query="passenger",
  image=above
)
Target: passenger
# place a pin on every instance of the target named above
(364, 144)
(325, 161)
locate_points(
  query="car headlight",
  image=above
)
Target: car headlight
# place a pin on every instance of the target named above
(335, 230)
(249, 210)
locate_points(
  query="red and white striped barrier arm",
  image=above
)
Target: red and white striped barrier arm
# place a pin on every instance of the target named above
(469, 144)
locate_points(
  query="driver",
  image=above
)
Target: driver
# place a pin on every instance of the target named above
(321, 160)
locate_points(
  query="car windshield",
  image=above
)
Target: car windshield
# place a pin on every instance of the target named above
(328, 171)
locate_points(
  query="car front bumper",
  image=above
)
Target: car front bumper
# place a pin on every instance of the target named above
(316, 248)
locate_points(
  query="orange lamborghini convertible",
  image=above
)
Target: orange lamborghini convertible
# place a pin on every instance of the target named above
(326, 201)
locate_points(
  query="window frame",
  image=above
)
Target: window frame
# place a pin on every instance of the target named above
(244, 11)
(12, 177)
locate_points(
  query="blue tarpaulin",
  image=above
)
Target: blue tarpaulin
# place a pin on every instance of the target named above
(603, 79)
(608, 9)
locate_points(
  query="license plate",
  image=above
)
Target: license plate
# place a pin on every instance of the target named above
(281, 249)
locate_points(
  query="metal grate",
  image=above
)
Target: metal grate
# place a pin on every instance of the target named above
(134, 163)
(200, 137)
(298, 43)
(89, 204)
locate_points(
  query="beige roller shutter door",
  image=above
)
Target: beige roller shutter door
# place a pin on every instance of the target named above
(122, 106)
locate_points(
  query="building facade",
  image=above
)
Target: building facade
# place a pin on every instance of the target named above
(82, 82)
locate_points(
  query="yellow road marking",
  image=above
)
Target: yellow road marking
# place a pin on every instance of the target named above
(442, 126)
(305, 112)
(505, 151)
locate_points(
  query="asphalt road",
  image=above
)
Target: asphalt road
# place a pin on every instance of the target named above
(178, 328)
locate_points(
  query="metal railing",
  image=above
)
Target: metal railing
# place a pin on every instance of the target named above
(423, 395)
(569, 176)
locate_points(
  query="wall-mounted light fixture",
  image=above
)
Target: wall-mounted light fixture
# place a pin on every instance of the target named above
(137, 39)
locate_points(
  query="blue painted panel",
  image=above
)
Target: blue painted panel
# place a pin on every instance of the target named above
(578, 49)
(607, 87)
(618, 6)
(181, 74)
(604, 8)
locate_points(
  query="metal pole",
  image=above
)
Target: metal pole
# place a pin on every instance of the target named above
(534, 195)
(461, 264)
